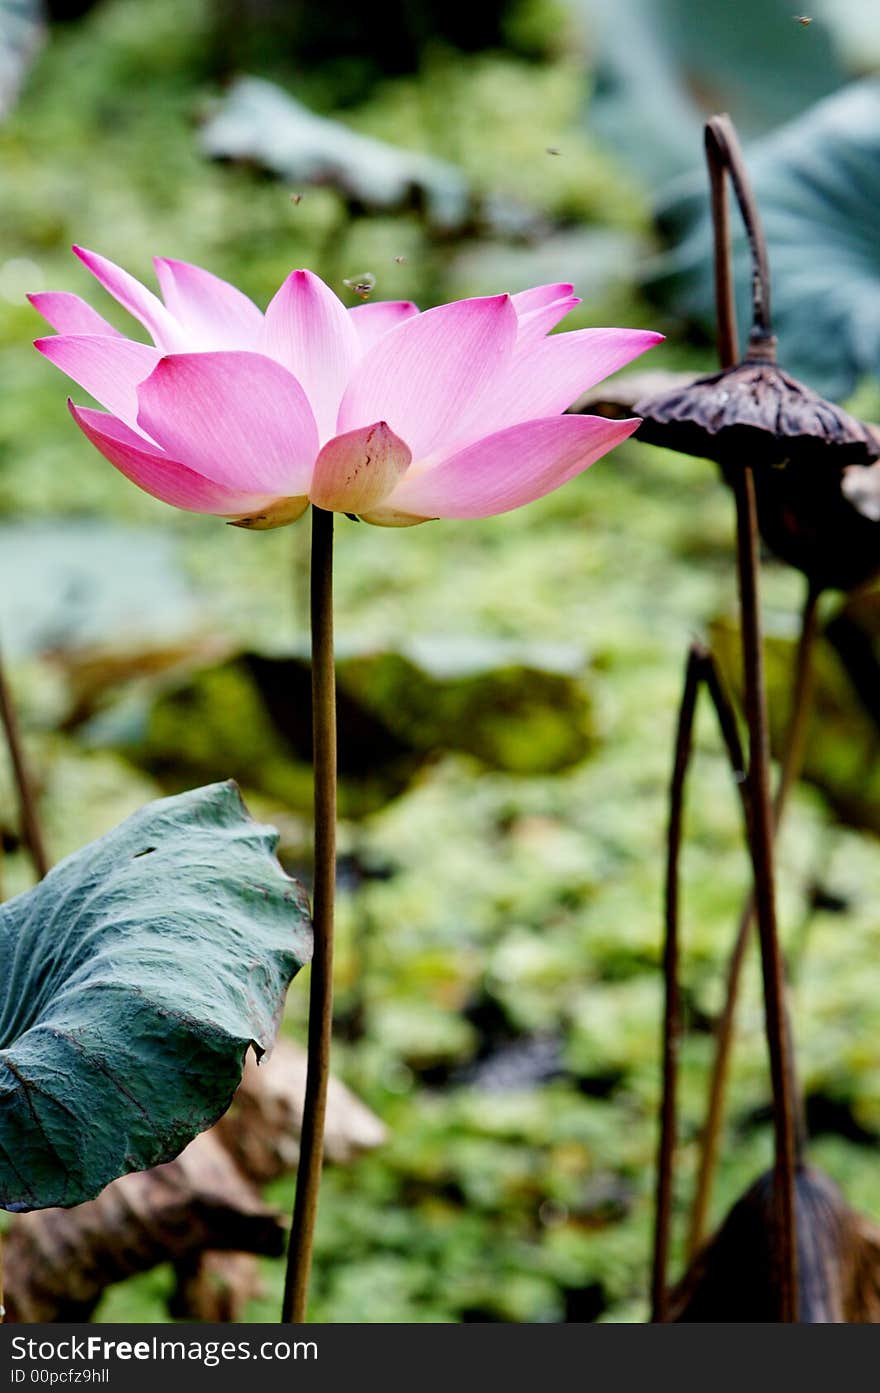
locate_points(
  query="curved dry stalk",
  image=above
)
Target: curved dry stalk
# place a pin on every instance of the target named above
(308, 1178)
(790, 770)
(725, 160)
(30, 816)
(701, 669)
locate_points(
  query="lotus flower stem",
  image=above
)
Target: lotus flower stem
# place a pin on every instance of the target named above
(792, 762)
(723, 156)
(30, 817)
(701, 669)
(308, 1178)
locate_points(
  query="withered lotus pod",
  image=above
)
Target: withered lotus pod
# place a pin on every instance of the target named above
(753, 413)
(798, 444)
(731, 1280)
(757, 413)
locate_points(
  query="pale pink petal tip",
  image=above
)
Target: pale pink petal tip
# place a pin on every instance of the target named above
(214, 313)
(68, 314)
(140, 302)
(308, 329)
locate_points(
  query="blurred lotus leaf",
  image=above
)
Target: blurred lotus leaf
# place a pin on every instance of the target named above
(817, 184)
(134, 979)
(523, 709)
(664, 65)
(21, 34)
(66, 584)
(258, 123)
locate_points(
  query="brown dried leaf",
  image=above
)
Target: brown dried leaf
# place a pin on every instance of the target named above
(261, 1129)
(215, 1287)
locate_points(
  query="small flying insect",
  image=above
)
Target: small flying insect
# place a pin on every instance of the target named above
(362, 285)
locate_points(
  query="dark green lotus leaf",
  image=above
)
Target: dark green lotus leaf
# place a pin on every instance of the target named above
(133, 979)
(817, 183)
(663, 66)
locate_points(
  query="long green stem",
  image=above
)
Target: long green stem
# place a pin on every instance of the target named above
(308, 1179)
(30, 817)
(792, 762)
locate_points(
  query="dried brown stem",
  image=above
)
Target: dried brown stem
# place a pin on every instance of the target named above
(792, 762)
(308, 1179)
(761, 849)
(30, 817)
(701, 669)
(724, 157)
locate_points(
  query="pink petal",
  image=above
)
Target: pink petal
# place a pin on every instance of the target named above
(68, 314)
(109, 369)
(308, 329)
(510, 468)
(134, 297)
(155, 473)
(213, 313)
(421, 378)
(524, 301)
(238, 418)
(354, 472)
(536, 324)
(545, 378)
(374, 320)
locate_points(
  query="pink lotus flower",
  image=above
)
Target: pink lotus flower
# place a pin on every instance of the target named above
(380, 411)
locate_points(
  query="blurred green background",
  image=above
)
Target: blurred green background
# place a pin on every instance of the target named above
(509, 686)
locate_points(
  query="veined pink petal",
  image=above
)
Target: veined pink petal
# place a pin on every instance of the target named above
(354, 472)
(213, 313)
(155, 473)
(373, 320)
(68, 314)
(134, 297)
(238, 418)
(510, 468)
(545, 378)
(525, 301)
(309, 330)
(421, 377)
(108, 368)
